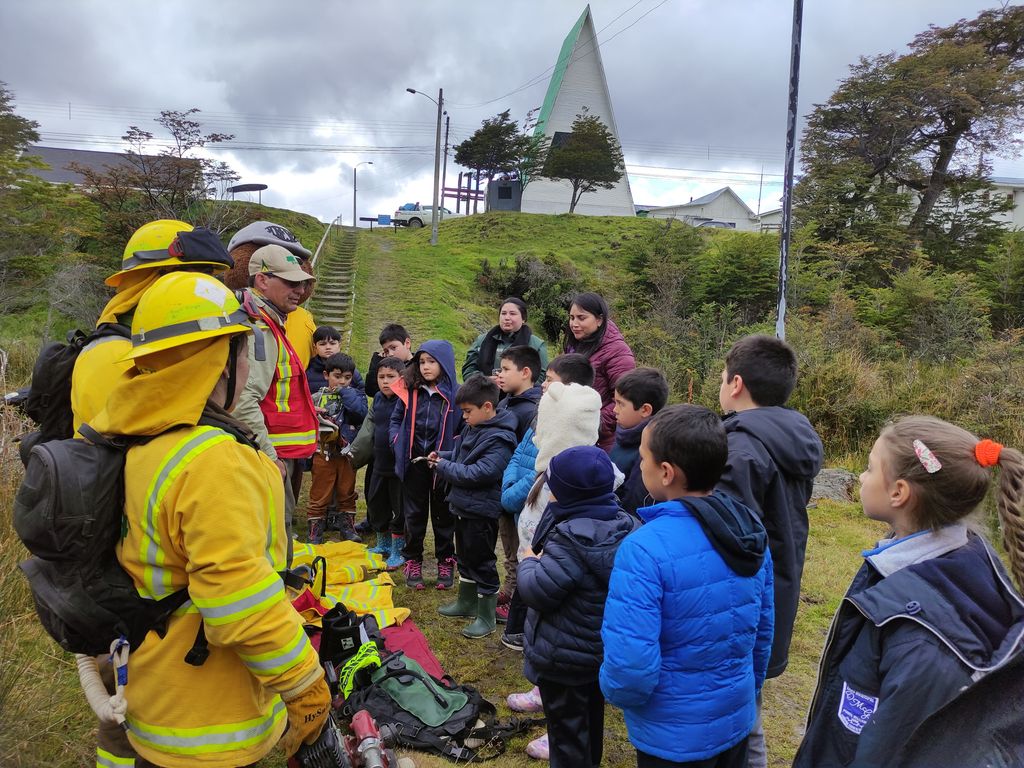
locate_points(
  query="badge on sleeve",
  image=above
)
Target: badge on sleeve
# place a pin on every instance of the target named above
(855, 709)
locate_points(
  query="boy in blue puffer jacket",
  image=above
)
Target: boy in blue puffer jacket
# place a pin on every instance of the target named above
(564, 589)
(688, 625)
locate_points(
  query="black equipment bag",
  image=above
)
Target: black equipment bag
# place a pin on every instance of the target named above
(48, 402)
(69, 512)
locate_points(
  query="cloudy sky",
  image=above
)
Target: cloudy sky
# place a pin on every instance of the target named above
(310, 88)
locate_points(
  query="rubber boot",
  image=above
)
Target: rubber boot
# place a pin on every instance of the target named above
(383, 545)
(465, 603)
(396, 559)
(485, 623)
(316, 530)
(348, 529)
(333, 522)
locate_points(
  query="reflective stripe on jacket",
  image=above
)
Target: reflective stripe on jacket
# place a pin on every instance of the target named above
(225, 542)
(288, 407)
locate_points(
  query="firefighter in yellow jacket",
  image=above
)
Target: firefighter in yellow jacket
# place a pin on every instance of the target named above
(153, 250)
(203, 509)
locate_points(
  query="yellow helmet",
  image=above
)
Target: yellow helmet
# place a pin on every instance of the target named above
(183, 307)
(170, 243)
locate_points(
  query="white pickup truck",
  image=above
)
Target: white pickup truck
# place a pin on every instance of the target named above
(411, 215)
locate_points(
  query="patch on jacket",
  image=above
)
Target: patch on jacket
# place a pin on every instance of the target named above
(856, 709)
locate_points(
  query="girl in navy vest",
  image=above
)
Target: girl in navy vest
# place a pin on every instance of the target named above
(424, 421)
(931, 611)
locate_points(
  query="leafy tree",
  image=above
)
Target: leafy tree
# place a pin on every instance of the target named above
(531, 151)
(899, 155)
(492, 147)
(589, 159)
(38, 221)
(173, 183)
(500, 146)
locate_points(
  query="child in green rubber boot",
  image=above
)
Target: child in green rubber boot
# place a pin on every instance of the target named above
(474, 470)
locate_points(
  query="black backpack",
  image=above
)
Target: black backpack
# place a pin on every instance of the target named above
(69, 512)
(415, 710)
(48, 402)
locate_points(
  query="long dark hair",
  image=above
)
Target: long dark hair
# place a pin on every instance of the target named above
(595, 304)
(413, 377)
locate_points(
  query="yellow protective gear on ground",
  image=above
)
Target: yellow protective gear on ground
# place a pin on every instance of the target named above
(299, 327)
(307, 716)
(153, 236)
(184, 307)
(348, 566)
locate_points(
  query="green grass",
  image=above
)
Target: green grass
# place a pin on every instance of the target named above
(432, 290)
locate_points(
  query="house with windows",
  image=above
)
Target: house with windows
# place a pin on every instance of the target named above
(722, 208)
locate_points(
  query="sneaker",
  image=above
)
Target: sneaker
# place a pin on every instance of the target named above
(414, 574)
(515, 641)
(525, 702)
(501, 613)
(446, 573)
(538, 748)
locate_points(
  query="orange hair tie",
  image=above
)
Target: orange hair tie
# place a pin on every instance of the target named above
(987, 452)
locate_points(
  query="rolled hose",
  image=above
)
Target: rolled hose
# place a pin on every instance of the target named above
(108, 709)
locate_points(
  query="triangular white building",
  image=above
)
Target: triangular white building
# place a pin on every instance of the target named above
(577, 82)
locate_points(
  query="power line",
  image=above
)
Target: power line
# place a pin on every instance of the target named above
(537, 79)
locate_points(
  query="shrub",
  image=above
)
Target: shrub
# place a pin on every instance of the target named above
(546, 285)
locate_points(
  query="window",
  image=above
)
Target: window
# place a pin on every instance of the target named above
(504, 193)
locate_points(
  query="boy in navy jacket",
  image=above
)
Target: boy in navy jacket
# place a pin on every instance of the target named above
(563, 580)
(474, 469)
(774, 456)
(688, 624)
(639, 395)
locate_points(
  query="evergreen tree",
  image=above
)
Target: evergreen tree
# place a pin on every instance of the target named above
(589, 159)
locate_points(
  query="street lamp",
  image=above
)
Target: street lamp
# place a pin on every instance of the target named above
(355, 221)
(437, 160)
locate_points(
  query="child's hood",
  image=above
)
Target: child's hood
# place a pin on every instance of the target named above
(597, 541)
(786, 434)
(953, 581)
(444, 353)
(732, 529)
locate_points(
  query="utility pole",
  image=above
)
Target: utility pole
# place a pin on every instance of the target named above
(444, 169)
(787, 184)
(355, 221)
(437, 158)
(437, 169)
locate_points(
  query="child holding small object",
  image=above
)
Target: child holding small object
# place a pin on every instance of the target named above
(341, 410)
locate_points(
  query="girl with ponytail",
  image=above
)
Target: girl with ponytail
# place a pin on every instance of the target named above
(931, 611)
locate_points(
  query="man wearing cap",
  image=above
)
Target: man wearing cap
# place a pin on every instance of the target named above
(275, 402)
(300, 325)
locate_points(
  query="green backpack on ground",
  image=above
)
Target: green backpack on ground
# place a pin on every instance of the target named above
(415, 710)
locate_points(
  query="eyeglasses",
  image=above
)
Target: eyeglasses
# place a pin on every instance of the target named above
(289, 283)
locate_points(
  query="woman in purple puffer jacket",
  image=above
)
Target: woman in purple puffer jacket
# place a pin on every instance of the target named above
(593, 334)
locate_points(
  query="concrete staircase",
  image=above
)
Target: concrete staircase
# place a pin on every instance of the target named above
(331, 303)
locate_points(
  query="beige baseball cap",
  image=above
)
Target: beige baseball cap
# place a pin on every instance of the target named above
(277, 261)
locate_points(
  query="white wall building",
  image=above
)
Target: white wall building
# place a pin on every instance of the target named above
(577, 82)
(721, 208)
